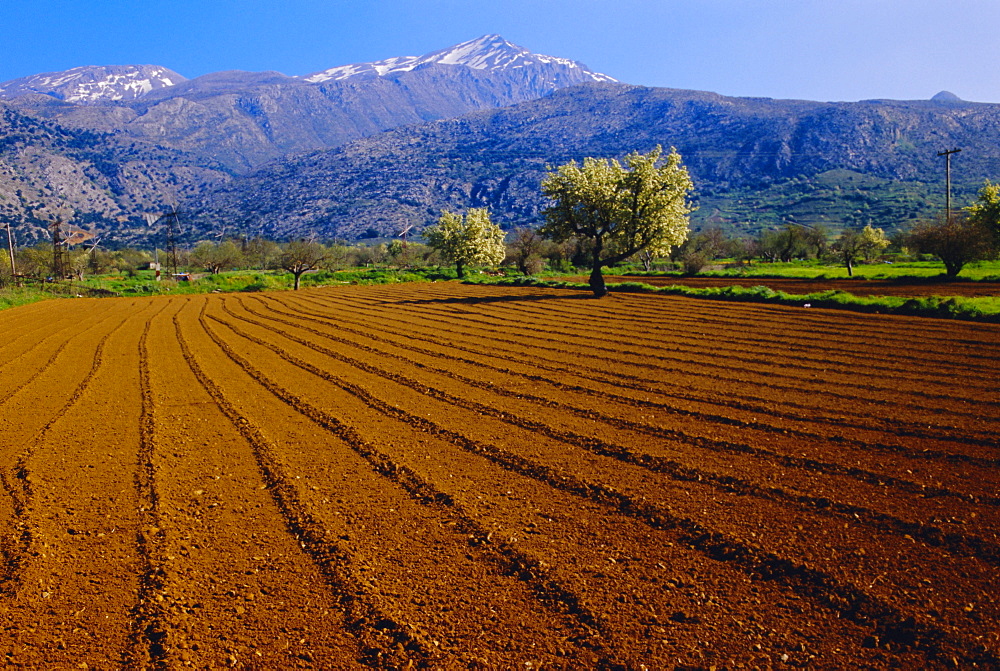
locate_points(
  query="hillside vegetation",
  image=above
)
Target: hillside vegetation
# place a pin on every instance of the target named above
(336, 171)
(756, 163)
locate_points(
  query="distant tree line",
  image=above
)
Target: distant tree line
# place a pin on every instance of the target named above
(603, 213)
(215, 256)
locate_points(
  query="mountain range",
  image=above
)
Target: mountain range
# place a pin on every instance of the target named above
(244, 119)
(365, 149)
(755, 162)
(86, 85)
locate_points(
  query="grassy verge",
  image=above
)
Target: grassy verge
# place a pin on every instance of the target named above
(12, 297)
(144, 283)
(810, 270)
(985, 309)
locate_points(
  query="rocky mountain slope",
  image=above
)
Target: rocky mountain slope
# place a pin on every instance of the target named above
(111, 142)
(97, 179)
(94, 84)
(373, 147)
(491, 53)
(755, 162)
(244, 119)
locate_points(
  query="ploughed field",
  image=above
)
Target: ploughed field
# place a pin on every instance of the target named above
(449, 476)
(909, 286)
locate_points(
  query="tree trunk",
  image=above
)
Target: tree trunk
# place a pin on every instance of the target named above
(850, 268)
(596, 277)
(298, 275)
(460, 269)
(597, 282)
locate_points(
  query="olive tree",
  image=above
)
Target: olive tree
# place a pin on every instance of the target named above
(525, 250)
(792, 241)
(217, 256)
(853, 245)
(957, 242)
(973, 235)
(299, 256)
(621, 209)
(469, 240)
(700, 249)
(34, 261)
(261, 253)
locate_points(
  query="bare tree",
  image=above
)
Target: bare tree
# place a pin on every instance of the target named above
(526, 250)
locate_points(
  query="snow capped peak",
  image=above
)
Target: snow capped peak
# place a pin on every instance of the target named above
(93, 83)
(489, 52)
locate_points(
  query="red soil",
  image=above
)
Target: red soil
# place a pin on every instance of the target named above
(450, 476)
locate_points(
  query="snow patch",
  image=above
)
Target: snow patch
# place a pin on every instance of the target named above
(490, 52)
(91, 84)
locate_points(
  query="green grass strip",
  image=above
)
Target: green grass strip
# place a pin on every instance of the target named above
(13, 297)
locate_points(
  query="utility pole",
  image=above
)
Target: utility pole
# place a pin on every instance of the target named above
(171, 220)
(947, 172)
(58, 258)
(171, 242)
(10, 248)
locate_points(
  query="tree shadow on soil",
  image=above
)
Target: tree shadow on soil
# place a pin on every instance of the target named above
(474, 300)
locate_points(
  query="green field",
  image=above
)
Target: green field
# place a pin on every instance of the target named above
(144, 283)
(984, 270)
(987, 308)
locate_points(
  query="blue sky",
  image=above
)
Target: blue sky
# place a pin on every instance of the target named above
(809, 49)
